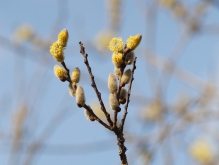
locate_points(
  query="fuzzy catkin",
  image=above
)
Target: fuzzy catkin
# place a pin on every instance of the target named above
(71, 90)
(80, 97)
(112, 83)
(60, 73)
(63, 37)
(133, 41)
(75, 77)
(117, 59)
(114, 104)
(56, 51)
(88, 115)
(126, 77)
(117, 72)
(129, 58)
(123, 95)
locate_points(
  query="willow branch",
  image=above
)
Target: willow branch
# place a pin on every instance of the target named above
(93, 84)
(95, 117)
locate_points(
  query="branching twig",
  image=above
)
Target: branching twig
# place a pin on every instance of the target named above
(93, 84)
(95, 117)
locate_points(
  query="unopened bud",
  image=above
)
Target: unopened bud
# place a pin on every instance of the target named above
(117, 59)
(56, 51)
(126, 77)
(117, 72)
(129, 58)
(60, 73)
(71, 90)
(63, 37)
(123, 95)
(114, 104)
(80, 98)
(75, 77)
(133, 41)
(112, 83)
(88, 115)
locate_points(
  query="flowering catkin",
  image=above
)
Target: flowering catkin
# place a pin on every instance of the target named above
(88, 115)
(75, 77)
(112, 83)
(114, 104)
(56, 51)
(80, 98)
(126, 77)
(117, 59)
(63, 37)
(123, 95)
(60, 73)
(116, 45)
(129, 58)
(133, 41)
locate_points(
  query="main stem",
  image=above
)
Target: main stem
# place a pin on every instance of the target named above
(122, 148)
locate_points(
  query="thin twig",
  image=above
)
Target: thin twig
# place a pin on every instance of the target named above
(128, 96)
(93, 84)
(96, 118)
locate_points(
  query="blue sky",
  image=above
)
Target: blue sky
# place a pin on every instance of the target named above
(84, 20)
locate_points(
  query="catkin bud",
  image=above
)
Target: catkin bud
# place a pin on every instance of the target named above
(57, 51)
(80, 98)
(117, 59)
(88, 115)
(60, 73)
(133, 41)
(71, 90)
(117, 72)
(123, 95)
(63, 37)
(75, 76)
(126, 77)
(114, 104)
(112, 83)
(129, 58)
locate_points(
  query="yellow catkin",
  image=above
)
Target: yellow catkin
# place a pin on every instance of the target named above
(88, 115)
(114, 104)
(80, 97)
(75, 76)
(202, 151)
(56, 51)
(116, 45)
(133, 41)
(126, 77)
(24, 33)
(167, 3)
(63, 37)
(123, 95)
(117, 59)
(60, 73)
(129, 58)
(112, 83)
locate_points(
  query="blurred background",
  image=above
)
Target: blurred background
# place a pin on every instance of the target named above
(174, 108)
